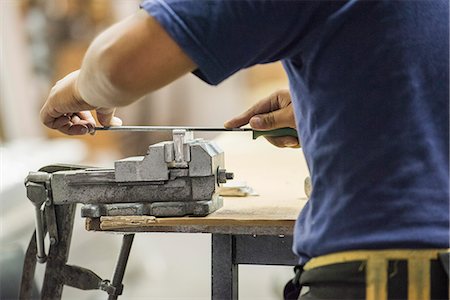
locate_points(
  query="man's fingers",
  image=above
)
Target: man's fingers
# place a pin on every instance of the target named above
(106, 117)
(238, 121)
(262, 106)
(284, 141)
(49, 116)
(64, 108)
(275, 119)
(77, 129)
(75, 119)
(60, 122)
(74, 129)
(74, 124)
(278, 100)
(83, 122)
(87, 119)
(115, 121)
(87, 116)
(68, 127)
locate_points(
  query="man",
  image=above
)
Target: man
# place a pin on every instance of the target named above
(369, 87)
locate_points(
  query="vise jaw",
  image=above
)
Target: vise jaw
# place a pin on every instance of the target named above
(197, 157)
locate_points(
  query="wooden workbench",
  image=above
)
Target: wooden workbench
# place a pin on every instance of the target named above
(277, 175)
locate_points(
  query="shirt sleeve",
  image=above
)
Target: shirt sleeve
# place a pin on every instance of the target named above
(223, 37)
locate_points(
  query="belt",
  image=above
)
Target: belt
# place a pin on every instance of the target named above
(376, 261)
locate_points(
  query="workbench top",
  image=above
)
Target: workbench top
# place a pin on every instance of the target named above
(276, 175)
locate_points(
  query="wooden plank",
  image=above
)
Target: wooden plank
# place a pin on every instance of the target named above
(253, 215)
(108, 223)
(284, 229)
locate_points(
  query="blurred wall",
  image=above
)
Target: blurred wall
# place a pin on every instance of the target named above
(18, 113)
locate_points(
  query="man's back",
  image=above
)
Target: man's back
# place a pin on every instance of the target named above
(372, 109)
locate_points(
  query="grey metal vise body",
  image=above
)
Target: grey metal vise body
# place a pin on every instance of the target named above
(175, 178)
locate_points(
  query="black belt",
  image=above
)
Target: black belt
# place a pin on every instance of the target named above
(348, 280)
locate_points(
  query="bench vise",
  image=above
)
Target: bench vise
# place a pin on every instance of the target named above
(175, 178)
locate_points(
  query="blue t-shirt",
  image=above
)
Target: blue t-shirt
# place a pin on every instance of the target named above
(370, 87)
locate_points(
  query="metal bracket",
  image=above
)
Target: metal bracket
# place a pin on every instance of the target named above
(37, 184)
(110, 289)
(51, 224)
(40, 194)
(85, 279)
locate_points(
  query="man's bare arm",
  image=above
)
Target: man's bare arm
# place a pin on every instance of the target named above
(132, 58)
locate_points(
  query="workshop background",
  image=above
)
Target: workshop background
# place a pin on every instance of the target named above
(43, 40)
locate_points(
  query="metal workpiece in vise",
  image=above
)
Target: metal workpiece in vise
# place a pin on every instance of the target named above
(175, 178)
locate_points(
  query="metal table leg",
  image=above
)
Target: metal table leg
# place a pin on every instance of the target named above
(58, 254)
(119, 272)
(28, 270)
(224, 273)
(228, 251)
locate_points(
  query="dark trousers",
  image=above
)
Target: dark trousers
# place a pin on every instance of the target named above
(347, 281)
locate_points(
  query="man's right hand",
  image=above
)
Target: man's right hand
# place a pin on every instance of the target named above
(66, 111)
(270, 113)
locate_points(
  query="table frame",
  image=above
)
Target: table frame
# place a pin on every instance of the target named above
(228, 251)
(231, 250)
(230, 246)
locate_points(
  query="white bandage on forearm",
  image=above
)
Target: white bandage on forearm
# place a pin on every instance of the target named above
(96, 88)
